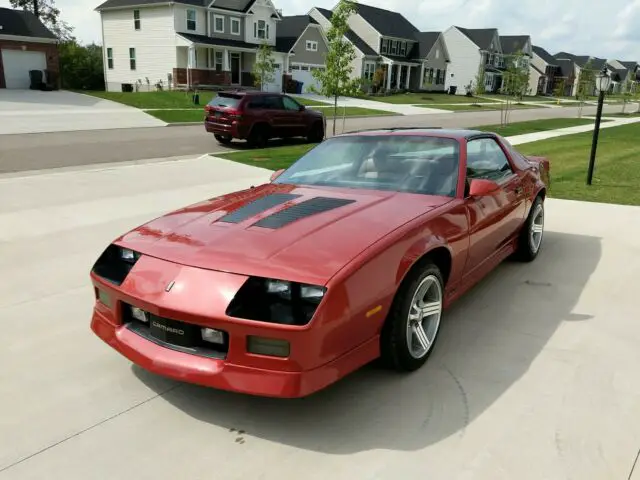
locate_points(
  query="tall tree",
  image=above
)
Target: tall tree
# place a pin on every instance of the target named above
(49, 14)
(265, 66)
(335, 80)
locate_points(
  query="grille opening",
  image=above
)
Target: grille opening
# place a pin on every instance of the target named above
(112, 267)
(253, 302)
(175, 335)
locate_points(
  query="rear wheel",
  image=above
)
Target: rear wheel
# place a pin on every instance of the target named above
(316, 133)
(411, 330)
(259, 136)
(223, 139)
(532, 232)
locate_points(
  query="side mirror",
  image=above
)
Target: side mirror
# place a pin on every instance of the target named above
(482, 188)
(302, 108)
(276, 174)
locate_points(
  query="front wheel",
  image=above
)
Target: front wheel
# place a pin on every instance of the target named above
(532, 232)
(411, 330)
(316, 133)
(223, 139)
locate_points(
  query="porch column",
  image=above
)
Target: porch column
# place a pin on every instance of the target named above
(408, 77)
(420, 85)
(389, 67)
(398, 76)
(225, 61)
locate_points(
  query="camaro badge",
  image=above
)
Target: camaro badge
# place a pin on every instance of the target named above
(170, 286)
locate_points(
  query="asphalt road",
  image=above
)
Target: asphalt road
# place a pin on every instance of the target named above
(67, 149)
(535, 375)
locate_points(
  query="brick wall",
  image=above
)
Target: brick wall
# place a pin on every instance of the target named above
(50, 49)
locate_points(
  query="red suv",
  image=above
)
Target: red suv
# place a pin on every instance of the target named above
(259, 116)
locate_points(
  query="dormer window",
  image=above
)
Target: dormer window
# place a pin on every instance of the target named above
(261, 30)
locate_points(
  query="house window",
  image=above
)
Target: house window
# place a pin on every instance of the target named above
(403, 48)
(394, 47)
(312, 46)
(218, 24)
(437, 53)
(132, 58)
(440, 77)
(235, 26)
(110, 58)
(385, 46)
(191, 20)
(369, 70)
(218, 61)
(261, 29)
(136, 19)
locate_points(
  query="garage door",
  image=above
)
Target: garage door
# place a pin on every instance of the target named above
(276, 85)
(17, 64)
(302, 73)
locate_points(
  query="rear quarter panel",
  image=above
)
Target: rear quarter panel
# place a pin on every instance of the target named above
(369, 283)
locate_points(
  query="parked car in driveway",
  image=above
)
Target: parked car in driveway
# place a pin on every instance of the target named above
(350, 254)
(259, 116)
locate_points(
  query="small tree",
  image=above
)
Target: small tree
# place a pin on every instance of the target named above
(479, 88)
(586, 84)
(265, 66)
(559, 88)
(335, 80)
(378, 79)
(626, 93)
(515, 82)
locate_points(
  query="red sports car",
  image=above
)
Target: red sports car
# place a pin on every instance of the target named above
(350, 254)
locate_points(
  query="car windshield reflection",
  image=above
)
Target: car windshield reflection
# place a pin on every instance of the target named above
(400, 163)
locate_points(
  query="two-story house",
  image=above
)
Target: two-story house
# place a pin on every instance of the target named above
(474, 53)
(186, 42)
(625, 76)
(434, 57)
(572, 67)
(544, 72)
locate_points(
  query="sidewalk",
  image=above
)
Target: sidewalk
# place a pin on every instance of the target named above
(401, 109)
(561, 132)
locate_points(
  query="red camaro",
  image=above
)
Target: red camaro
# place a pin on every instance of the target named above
(348, 255)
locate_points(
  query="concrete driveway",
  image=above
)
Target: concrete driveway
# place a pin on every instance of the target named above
(33, 111)
(534, 377)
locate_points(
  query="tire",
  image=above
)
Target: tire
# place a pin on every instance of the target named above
(316, 133)
(529, 242)
(259, 136)
(400, 347)
(223, 139)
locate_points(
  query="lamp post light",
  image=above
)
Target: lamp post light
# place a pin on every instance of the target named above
(603, 80)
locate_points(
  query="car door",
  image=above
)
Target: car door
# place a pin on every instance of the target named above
(493, 219)
(276, 113)
(295, 116)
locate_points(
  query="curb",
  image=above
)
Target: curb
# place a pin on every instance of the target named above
(392, 114)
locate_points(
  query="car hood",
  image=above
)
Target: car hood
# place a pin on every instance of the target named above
(303, 234)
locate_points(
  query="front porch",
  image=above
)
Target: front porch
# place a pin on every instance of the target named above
(212, 66)
(398, 74)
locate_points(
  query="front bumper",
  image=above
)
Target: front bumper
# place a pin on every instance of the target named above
(221, 374)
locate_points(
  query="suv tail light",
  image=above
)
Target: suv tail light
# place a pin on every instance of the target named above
(233, 114)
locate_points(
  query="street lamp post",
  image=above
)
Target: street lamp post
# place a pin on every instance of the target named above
(603, 80)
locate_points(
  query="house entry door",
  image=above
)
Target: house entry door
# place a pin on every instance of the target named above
(235, 69)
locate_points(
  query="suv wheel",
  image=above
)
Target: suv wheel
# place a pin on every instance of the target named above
(224, 139)
(316, 133)
(259, 136)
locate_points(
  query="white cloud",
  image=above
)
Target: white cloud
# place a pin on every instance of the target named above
(602, 29)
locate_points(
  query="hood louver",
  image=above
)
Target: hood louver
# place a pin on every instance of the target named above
(304, 209)
(257, 206)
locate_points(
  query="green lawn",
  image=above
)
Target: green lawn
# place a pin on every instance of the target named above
(423, 98)
(519, 128)
(166, 99)
(197, 114)
(282, 156)
(617, 172)
(526, 98)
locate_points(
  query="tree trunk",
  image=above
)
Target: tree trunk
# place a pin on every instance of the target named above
(335, 113)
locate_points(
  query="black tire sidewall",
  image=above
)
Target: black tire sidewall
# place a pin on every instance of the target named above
(394, 342)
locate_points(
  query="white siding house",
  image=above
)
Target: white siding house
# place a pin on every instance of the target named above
(464, 60)
(187, 42)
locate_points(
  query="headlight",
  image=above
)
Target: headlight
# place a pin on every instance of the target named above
(115, 263)
(276, 301)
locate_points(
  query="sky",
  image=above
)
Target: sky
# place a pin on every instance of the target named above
(601, 28)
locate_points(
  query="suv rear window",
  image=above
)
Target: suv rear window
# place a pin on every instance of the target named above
(226, 100)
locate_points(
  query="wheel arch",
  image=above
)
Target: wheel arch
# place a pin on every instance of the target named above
(439, 255)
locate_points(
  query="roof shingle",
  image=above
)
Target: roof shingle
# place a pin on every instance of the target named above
(482, 37)
(426, 41)
(512, 44)
(351, 35)
(22, 23)
(132, 3)
(386, 22)
(544, 55)
(289, 30)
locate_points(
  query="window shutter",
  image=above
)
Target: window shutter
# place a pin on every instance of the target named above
(255, 29)
(267, 31)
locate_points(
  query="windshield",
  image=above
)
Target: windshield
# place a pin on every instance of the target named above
(222, 100)
(401, 163)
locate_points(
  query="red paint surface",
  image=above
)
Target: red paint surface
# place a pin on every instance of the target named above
(360, 252)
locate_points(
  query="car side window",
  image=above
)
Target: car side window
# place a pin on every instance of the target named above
(256, 103)
(487, 160)
(272, 102)
(290, 104)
